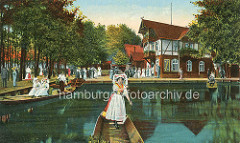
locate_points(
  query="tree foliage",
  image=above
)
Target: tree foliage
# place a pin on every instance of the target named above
(91, 47)
(119, 35)
(217, 28)
(120, 58)
(51, 32)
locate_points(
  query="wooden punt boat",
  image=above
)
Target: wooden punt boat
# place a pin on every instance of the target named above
(212, 85)
(105, 130)
(77, 82)
(22, 99)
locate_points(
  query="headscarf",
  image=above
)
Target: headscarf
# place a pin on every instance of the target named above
(35, 80)
(123, 76)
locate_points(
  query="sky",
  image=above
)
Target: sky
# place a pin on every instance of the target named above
(129, 12)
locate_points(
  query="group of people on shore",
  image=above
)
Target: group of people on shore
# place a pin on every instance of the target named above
(40, 88)
(15, 75)
(5, 76)
(136, 72)
(90, 72)
(141, 72)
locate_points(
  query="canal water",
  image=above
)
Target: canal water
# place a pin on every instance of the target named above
(199, 115)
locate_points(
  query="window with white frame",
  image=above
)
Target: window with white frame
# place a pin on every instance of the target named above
(180, 45)
(191, 45)
(201, 66)
(156, 45)
(174, 65)
(152, 46)
(189, 66)
(175, 46)
(146, 48)
(157, 62)
(196, 46)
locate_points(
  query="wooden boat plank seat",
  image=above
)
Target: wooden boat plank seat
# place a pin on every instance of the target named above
(127, 132)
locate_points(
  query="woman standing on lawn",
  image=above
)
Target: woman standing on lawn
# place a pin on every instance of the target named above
(14, 77)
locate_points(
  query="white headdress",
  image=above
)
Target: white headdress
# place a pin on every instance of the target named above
(35, 79)
(44, 80)
(123, 76)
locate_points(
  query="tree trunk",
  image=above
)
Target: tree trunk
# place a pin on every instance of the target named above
(37, 64)
(53, 69)
(8, 50)
(35, 61)
(21, 65)
(50, 68)
(58, 67)
(46, 62)
(11, 55)
(24, 62)
(2, 47)
(16, 55)
(65, 68)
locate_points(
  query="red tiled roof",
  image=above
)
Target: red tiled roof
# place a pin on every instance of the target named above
(135, 52)
(137, 56)
(166, 31)
(108, 62)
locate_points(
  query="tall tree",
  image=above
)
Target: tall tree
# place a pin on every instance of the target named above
(119, 35)
(5, 18)
(93, 40)
(217, 28)
(43, 23)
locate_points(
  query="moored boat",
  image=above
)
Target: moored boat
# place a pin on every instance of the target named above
(22, 99)
(127, 132)
(212, 85)
(25, 98)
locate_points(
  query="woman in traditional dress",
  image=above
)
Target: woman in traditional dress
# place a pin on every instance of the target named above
(36, 87)
(135, 73)
(44, 87)
(62, 81)
(148, 71)
(180, 73)
(95, 73)
(139, 73)
(28, 74)
(111, 73)
(79, 72)
(99, 71)
(14, 77)
(143, 73)
(69, 72)
(115, 109)
(84, 73)
(41, 71)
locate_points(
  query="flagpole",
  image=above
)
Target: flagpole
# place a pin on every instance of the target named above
(171, 13)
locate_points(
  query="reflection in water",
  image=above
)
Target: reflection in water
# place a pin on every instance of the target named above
(5, 118)
(213, 118)
(30, 110)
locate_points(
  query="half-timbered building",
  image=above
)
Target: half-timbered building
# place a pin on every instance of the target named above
(168, 46)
